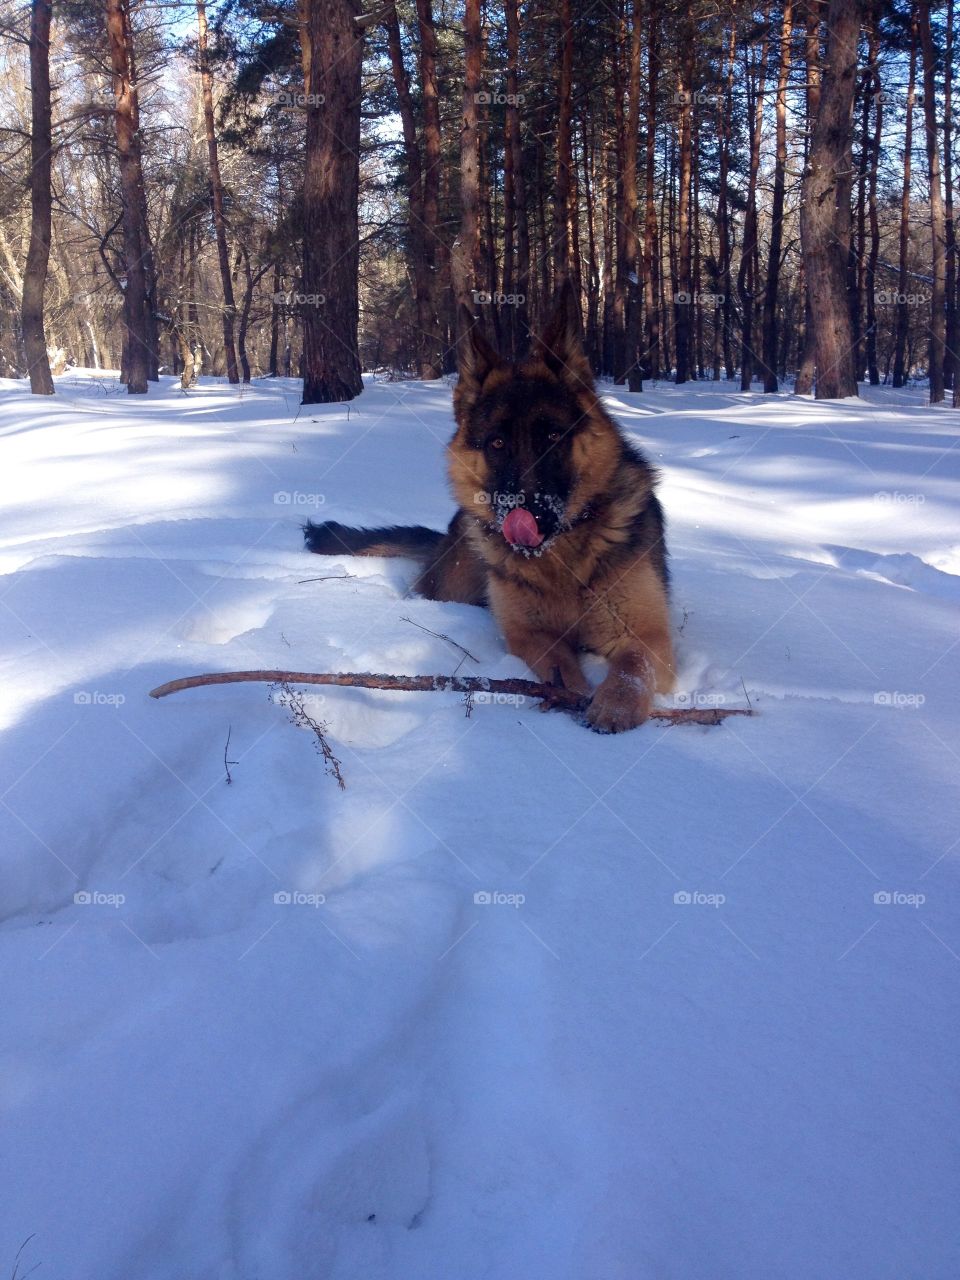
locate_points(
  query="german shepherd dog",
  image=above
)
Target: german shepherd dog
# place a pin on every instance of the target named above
(558, 529)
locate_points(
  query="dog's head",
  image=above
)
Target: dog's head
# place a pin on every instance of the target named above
(532, 442)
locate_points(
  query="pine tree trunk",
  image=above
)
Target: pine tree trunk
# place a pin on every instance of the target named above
(870, 285)
(216, 197)
(466, 247)
(684, 301)
(38, 254)
(136, 360)
(771, 299)
(431, 244)
(950, 364)
(825, 208)
(632, 257)
(561, 192)
(808, 359)
(428, 339)
(937, 221)
(903, 315)
(332, 52)
(651, 239)
(747, 274)
(723, 314)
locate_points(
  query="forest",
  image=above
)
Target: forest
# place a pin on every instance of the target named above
(757, 193)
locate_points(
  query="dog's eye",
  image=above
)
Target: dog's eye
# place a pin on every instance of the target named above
(497, 442)
(553, 437)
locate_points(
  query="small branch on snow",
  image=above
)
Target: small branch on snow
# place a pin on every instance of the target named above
(293, 702)
(227, 763)
(551, 696)
(449, 639)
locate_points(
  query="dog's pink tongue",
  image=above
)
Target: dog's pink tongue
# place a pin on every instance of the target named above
(520, 528)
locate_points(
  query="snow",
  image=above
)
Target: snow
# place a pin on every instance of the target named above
(521, 1000)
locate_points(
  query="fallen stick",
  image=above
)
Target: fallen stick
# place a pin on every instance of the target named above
(549, 695)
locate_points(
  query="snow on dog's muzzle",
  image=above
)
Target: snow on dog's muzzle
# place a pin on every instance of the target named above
(520, 528)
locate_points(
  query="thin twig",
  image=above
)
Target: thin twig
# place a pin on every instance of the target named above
(441, 636)
(301, 717)
(331, 577)
(227, 763)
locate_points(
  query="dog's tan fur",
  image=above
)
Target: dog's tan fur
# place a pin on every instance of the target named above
(580, 594)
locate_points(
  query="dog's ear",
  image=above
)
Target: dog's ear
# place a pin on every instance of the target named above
(560, 346)
(476, 359)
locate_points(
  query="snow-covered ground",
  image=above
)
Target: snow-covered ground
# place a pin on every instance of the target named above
(705, 1026)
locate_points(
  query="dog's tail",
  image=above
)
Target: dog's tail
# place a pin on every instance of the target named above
(333, 539)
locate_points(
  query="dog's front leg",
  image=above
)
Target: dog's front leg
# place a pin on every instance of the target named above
(545, 655)
(625, 696)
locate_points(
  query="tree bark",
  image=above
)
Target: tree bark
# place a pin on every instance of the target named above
(747, 274)
(950, 359)
(332, 52)
(216, 197)
(466, 245)
(136, 359)
(808, 359)
(903, 313)
(632, 256)
(937, 221)
(771, 296)
(561, 192)
(684, 300)
(652, 362)
(38, 254)
(873, 255)
(825, 208)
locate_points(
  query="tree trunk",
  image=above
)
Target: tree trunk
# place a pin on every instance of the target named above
(38, 254)
(771, 299)
(808, 360)
(684, 301)
(950, 366)
(825, 208)
(651, 239)
(937, 222)
(332, 52)
(466, 247)
(136, 360)
(723, 313)
(631, 203)
(903, 313)
(747, 274)
(428, 338)
(216, 197)
(873, 256)
(431, 244)
(561, 194)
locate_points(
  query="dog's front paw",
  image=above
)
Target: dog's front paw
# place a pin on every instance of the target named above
(620, 703)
